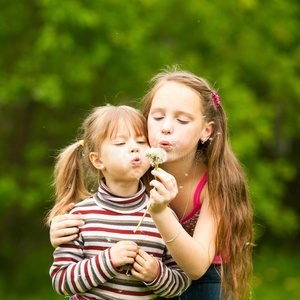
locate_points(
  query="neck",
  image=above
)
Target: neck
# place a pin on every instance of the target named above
(123, 188)
(184, 170)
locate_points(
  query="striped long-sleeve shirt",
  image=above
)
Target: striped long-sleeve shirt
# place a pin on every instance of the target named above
(83, 267)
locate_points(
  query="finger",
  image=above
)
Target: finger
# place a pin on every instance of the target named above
(159, 187)
(156, 183)
(139, 264)
(167, 179)
(136, 274)
(66, 224)
(143, 254)
(156, 196)
(130, 245)
(64, 240)
(67, 231)
(66, 217)
(131, 254)
(140, 260)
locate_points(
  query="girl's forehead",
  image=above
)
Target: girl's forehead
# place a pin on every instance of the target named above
(176, 96)
(126, 128)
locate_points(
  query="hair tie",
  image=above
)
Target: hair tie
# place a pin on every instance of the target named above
(81, 143)
(216, 98)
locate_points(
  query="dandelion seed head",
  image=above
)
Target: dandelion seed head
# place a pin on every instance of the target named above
(156, 156)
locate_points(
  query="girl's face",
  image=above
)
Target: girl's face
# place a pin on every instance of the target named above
(122, 157)
(175, 121)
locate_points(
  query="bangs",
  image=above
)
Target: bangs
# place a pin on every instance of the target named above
(126, 118)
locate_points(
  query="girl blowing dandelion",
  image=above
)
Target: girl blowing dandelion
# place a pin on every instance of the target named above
(93, 266)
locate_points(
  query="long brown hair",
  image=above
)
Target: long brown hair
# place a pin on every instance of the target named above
(73, 170)
(227, 187)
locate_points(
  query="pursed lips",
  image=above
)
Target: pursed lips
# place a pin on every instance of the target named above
(165, 144)
(136, 161)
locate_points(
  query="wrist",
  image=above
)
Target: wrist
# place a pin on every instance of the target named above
(111, 261)
(158, 213)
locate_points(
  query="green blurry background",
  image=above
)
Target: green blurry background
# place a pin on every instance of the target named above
(58, 59)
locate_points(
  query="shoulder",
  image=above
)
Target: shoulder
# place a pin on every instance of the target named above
(85, 204)
(204, 195)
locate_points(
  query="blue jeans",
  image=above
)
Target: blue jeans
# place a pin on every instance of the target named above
(207, 287)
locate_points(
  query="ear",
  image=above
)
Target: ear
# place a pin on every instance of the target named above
(207, 132)
(96, 161)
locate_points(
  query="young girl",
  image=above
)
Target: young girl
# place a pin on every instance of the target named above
(94, 265)
(212, 241)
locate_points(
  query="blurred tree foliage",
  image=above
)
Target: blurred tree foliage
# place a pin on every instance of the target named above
(58, 59)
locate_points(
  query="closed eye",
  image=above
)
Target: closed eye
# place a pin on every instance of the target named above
(183, 121)
(158, 118)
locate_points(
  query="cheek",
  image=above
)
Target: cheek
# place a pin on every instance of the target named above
(189, 142)
(152, 132)
(151, 139)
(146, 165)
(115, 156)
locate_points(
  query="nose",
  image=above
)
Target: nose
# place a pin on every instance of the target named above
(134, 148)
(167, 127)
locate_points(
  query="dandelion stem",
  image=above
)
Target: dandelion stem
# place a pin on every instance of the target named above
(128, 269)
(149, 205)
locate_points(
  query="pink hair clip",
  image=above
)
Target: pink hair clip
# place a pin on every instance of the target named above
(216, 98)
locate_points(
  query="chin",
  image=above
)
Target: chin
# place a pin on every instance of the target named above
(136, 175)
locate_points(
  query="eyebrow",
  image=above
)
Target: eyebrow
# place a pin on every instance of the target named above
(178, 112)
(124, 136)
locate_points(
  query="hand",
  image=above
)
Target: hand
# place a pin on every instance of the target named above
(145, 267)
(123, 252)
(64, 228)
(165, 190)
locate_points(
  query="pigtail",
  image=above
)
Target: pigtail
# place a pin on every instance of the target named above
(68, 180)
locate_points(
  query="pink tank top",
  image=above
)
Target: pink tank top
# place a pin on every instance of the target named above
(189, 222)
